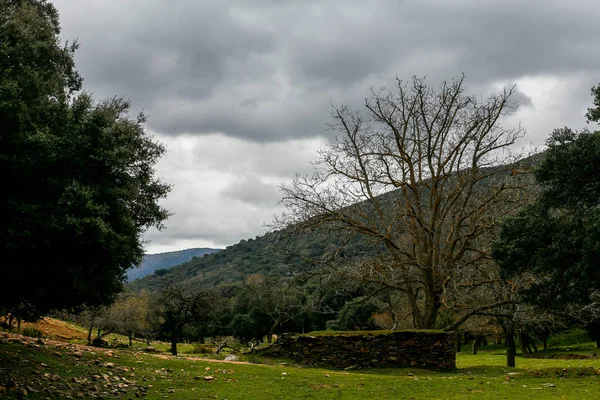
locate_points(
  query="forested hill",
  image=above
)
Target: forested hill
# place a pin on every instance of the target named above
(153, 262)
(275, 253)
(270, 254)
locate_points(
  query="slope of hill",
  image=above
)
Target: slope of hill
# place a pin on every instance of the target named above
(152, 262)
(270, 254)
(278, 253)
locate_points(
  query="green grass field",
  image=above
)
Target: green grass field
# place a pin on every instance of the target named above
(62, 371)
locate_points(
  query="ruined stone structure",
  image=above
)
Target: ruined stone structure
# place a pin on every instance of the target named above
(434, 350)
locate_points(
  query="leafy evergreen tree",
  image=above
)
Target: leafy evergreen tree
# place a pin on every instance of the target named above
(555, 242)
(80, 186)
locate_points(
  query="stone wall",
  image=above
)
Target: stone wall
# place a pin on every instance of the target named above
(433, 350)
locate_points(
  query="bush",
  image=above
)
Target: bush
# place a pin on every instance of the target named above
(32, 331)
(200, 348)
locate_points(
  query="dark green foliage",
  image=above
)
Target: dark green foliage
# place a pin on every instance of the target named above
(557, 239)
(354, 316)
(160, 272)
(274, 253)
(243, 327)
(593, 113)
(182, 305)
(79, 175)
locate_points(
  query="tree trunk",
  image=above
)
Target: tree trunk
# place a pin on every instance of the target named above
(271, 332)
(90, 330)
(432, 306)
(535, 349)
(130, 338)
(545, 336)
(511, 349)
(476, 344)
(174, 342)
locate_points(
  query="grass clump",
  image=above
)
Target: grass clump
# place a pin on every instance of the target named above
(201, 348)
(32, 331)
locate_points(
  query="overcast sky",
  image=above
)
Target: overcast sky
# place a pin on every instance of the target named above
(240, 91)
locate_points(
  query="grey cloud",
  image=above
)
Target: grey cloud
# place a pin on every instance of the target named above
(241, 90)
(521, 99)
(266, 70)
(253, 191)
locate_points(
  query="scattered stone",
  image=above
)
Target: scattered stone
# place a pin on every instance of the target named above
(209, 378)
(109, 365)
(548, 385)
(110, 353)
(231, 357)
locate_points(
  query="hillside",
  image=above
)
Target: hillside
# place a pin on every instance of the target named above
(280, 253)
(274, 253)
(153, 262)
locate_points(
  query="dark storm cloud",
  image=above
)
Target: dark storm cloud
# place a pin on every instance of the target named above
(241, 90)
(267, 70)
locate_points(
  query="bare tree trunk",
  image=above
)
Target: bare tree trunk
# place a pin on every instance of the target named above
(272, 331)
(432, 308)
(475, 345)
(546, 334)
(174, 342)
(511, 350)
(130, 338)
(90, 330)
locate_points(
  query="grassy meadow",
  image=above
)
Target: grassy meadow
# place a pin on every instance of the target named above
(40, 369)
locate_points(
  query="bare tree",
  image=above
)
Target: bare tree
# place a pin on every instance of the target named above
(276, 297)
(425, 175)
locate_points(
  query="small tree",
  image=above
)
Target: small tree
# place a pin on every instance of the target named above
(276, 297)
(182, 304)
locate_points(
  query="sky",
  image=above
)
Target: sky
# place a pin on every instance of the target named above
(240, 91)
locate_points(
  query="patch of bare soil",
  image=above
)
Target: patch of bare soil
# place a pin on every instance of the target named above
(56, 329)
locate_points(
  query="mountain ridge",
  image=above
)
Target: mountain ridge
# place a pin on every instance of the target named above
(158, 261)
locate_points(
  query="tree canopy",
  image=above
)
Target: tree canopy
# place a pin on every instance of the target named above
(80, 185)
(553, 245)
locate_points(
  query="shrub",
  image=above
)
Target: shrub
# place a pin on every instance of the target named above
(32, 331)
(200, 348)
